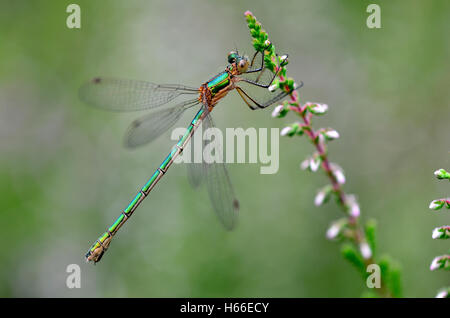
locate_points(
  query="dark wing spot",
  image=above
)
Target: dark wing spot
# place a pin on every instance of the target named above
(236, 204)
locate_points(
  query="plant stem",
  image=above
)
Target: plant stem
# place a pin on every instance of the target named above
(349, 228)
(359, 236)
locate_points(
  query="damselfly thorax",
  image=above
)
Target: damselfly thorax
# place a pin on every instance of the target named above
(220, 85)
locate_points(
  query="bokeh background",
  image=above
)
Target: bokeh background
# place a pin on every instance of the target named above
(65, 176)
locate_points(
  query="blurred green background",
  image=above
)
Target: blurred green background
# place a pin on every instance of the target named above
(64, 175)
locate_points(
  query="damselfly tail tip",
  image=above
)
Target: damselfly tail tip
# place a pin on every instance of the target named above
(90, 257)
(87, 257)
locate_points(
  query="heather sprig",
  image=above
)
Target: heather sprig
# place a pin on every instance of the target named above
(441, 232)
(359, 240)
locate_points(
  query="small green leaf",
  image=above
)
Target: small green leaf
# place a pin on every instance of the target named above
(395, 284)
(369, 294)
(351, 254)
(371, 229)
(391, 275)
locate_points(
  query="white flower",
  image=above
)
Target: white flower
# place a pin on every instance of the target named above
(355, 211)
(285, 130)
(433, 205)
(318, 108)
(333, 231)
(277, 111)
(442, 174)
(314, 164)
(332, 134)
(305, 164)
(437, 233)
(338, 173)
(320, 197)
(365, 250)
(339, 176)
(435, 264)
(441, 232)
(353, 206)
(436, 204)
(442, 294)
(273, 87)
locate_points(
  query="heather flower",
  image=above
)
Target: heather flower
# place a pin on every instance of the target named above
(336, 229)
(365, 250)
(338, 173)
(437, 204)
(316, 108)
(442, 261)
(323, 195)
(442, 174)
(347, 228)
(442, 232)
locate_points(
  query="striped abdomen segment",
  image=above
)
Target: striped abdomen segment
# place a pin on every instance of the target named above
(96, 251)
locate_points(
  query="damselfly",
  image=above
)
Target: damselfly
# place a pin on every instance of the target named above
(128, 95)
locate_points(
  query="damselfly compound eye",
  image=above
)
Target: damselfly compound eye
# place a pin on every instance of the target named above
(232, 57)
(243, 65)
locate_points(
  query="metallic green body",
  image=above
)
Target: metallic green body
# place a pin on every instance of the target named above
(152, 181)
(219, 82)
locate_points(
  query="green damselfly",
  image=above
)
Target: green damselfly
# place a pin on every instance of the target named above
(128, 95)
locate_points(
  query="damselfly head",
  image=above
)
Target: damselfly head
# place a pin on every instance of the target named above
(239, 62)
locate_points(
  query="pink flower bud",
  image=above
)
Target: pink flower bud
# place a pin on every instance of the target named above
(273, 87)
(338, 173)
(314, 164)
(320, 198)
(353, 206)
(331, 134)
(443, 293)
(365, 250)
(285, 130)
(442, 261)
(277, 111)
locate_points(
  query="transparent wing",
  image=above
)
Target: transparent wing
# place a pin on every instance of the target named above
(256, 62)
(257, 72)
(146, 129)
(195, 174)
(220, 189)
(194, 170)
(129, 95)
